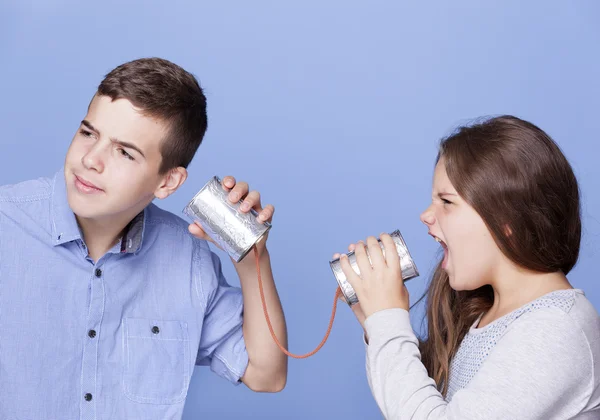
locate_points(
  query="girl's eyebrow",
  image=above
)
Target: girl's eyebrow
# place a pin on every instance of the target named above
(441, 194)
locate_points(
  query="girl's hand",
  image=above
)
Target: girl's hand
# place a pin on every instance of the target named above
(379, 285)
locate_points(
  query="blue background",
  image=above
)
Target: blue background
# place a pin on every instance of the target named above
(333, 110)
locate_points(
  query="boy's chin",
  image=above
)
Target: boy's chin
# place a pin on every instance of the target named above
(85, 211)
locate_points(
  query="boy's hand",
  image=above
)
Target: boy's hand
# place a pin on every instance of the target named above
(237, 191)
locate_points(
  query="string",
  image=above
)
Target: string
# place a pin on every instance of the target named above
(338, 293)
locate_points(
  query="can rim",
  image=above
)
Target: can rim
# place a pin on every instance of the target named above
(260, 238)
(412, 261)
(349, 301)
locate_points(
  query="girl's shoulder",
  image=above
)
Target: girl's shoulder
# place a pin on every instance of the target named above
(572, 302)
(561, 325)
(555, 314)
(585, 316)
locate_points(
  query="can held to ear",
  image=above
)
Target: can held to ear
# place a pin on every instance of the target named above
(234, 231)
(407, 265)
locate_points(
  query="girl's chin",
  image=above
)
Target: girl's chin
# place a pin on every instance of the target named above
(454, 284)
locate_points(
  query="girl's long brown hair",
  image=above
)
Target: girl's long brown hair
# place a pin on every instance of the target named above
(515, 176)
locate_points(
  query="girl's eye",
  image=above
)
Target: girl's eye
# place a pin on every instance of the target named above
(446, 201)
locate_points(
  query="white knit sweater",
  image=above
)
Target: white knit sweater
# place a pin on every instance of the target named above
(541, 361)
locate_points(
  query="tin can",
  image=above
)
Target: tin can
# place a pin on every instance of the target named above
(407, 265)
(234, 231)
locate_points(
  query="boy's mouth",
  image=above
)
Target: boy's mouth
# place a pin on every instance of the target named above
(86, 186)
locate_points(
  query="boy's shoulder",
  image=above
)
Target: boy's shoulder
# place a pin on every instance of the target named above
(164, 218)
(27, 191)
(27, 205)
(169, 224)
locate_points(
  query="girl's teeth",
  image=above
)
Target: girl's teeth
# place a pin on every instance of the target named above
(438, 240)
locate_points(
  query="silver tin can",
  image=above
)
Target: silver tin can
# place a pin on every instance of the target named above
(224, 222)
(409, 269)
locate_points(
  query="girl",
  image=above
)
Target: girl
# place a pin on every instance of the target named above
(508, 336)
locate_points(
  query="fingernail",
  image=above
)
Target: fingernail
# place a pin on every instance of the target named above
(233, 196)
(245, 206)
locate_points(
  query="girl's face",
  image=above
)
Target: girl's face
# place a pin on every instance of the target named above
(471, 256)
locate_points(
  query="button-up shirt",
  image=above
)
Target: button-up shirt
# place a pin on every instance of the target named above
(114, 339)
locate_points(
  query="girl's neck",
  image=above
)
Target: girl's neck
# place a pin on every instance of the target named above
(517, 287)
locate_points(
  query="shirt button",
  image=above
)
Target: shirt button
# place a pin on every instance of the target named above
(98, 272)
(88, 397)
(155, 330)
(92, 333)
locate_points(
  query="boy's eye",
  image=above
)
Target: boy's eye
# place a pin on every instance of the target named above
(85, 132)
(125, 154)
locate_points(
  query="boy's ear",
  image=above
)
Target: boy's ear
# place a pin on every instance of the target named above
(172, 180)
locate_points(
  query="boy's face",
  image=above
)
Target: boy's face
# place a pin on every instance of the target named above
(111, 167)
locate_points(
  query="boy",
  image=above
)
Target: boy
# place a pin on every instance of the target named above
(106, 301)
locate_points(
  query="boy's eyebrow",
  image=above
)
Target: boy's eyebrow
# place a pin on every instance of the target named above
(127, 145)
(114, 140)
(90, 126)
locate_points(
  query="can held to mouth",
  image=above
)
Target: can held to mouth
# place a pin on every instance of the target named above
(232, 230)
(407, 265)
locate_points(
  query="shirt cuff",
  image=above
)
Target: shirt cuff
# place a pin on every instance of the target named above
(233, 372)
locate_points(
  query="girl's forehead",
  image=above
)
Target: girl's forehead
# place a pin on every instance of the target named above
(441, 182)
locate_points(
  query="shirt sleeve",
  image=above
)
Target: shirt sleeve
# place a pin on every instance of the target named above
(541, 368)
(222, 345)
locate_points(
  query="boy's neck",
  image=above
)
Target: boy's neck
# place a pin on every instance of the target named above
(101, 236)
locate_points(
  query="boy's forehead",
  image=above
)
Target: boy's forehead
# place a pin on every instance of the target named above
(122, 120)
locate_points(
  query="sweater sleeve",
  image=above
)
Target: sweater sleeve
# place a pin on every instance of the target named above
(541, 368)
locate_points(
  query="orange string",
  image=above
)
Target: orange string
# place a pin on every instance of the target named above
(338, 293)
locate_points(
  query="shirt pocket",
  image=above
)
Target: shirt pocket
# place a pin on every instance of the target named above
(156, 360)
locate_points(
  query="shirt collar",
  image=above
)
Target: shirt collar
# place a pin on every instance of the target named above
(65, 228)
(131, 241)
(64, 224)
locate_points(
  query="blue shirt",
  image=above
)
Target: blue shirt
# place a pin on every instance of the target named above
(117, 339)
